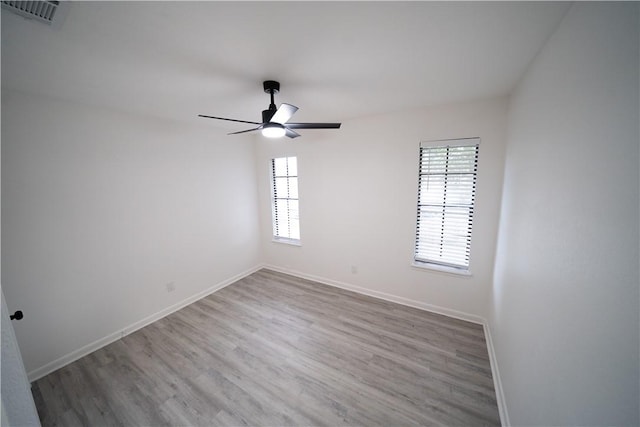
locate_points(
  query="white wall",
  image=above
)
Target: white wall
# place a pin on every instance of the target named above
(358, 196)
(102, 210)
(565, 302)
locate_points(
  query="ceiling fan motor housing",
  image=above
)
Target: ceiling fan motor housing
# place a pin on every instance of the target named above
(267, 114)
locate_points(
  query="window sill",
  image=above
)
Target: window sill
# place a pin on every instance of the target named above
(441, 268)
(292, 242)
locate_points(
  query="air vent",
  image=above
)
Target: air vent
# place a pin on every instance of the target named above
(43, 11)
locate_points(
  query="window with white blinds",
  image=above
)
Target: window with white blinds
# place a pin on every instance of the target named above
(446, 197)
(285, 204)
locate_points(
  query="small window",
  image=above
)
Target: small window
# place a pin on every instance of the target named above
(446, 197)
(285, 205)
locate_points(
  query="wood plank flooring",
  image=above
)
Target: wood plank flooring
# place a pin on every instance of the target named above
(275, 350)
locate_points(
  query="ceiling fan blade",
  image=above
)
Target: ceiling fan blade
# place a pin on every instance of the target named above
(291, 133)
(244, 131)
(284, 113)
(230, 120)
(314, 125)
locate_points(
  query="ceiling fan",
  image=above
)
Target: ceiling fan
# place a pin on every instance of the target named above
(275, 121)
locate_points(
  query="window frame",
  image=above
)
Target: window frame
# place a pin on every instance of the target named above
(432, 264)
(274, 217)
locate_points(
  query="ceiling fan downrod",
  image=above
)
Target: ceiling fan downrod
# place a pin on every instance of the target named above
(271, 87)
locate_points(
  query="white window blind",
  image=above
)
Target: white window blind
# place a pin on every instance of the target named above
(285, 204)
(446, 197)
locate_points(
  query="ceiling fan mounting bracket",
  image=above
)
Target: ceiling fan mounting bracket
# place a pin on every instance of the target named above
(271, 86)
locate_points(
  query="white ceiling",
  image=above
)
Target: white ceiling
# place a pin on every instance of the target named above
(335, 60)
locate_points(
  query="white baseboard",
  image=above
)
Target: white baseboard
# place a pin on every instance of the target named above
(382, 295)
(40, 372)
(495, 373)
(502, 408)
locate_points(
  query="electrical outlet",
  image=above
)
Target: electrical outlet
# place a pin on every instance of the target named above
(171, 286)
(354, 269)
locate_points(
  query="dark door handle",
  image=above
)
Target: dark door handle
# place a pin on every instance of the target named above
(17, 315)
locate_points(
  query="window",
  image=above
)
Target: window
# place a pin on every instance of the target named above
(446, 196)
(284, 181)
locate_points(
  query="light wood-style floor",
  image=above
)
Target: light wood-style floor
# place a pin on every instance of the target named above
(275, 350)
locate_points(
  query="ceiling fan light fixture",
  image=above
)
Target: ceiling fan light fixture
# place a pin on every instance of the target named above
(273, 130)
